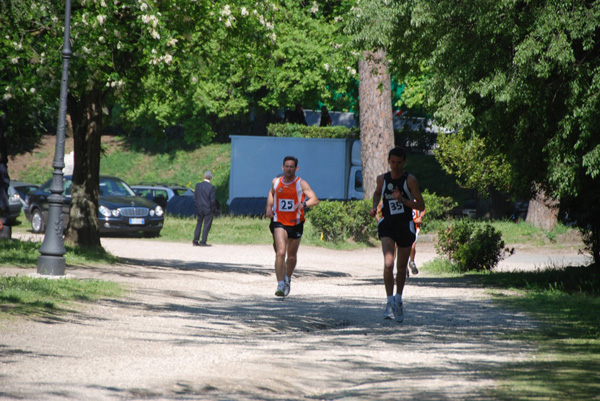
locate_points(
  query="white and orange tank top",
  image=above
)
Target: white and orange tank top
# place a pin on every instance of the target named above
(286, 196)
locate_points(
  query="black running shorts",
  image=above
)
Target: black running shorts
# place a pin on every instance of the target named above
(403, 233)
(293, 232)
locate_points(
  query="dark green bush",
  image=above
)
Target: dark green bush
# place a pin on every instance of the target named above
(473, 245)
(309, 131)
(339, 221)
(363, 226)
(437, 207)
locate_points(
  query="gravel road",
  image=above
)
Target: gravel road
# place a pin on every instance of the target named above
(202, 323)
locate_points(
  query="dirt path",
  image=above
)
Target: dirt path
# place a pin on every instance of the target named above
(203, 324)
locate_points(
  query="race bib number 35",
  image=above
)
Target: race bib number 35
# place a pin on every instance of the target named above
(396, 207)
(286, 205)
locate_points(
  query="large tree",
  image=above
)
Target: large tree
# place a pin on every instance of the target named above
(521, 79)
(370, 26)
(167, 62)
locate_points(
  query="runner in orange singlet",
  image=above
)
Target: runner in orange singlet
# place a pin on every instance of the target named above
(288, 198)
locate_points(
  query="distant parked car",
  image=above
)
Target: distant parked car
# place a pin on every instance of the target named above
(23, 188)
(119, 211)
(175, 199)
(14, 206)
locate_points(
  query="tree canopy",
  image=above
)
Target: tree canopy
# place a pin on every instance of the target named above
(522, 80)
(164, 62)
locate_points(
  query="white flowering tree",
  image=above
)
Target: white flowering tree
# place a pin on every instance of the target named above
(169, 61)
(117, 45)
(256, 58)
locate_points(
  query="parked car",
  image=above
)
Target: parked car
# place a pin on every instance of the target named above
(176, 199)
(161, 193)
(14, 206)
(23, 188)
(119, 211)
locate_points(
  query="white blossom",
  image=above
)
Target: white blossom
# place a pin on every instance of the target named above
(228, 23)
(7, 96)
(155, 34)
(172, 42)
(226, 11)
(14, 60)
(326, 66)
(244, 11)
(315, 8)
(101, 18)
(143, 6)
(31, 90)
(168, 58)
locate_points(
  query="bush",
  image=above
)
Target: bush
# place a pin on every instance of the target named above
(472, 245)
(339, 221)
(437, 207)
(308, 131)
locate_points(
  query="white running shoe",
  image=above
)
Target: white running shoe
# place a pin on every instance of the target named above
(413, 267)
(286, 288)
(399, 312)
(280, 292)
(389, 311)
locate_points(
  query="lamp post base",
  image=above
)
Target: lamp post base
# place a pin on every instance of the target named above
(51, 265)
(6, 232)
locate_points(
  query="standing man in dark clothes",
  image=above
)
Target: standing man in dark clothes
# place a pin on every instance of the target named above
(205, 199)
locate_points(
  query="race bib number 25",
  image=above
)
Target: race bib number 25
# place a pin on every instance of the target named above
(396, 207)
(286, 205)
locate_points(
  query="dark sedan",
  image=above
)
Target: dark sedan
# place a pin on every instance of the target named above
(119, 211)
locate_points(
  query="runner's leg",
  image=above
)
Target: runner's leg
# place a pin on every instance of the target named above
(292, 252)
(388, 246)
(281, 239)
(401, 263)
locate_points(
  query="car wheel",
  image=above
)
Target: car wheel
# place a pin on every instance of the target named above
(151, 234)
(37, 221)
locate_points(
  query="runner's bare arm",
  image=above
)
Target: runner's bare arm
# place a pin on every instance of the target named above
(270, 200)
(310, 196)
(376, 196)
(417, 202)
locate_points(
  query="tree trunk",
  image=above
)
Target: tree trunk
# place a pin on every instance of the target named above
(543, 211)
(86, 114)
(376, 126)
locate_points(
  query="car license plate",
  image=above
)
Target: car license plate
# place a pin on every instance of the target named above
(136, 221)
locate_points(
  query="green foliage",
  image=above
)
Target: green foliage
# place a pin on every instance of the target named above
(304, 131)
(474, 246)
(473, 162)
(527, 106)
(437, 207)
(339, 221)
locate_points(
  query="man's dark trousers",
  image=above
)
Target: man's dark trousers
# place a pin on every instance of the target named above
(205, 201)
(206, 219)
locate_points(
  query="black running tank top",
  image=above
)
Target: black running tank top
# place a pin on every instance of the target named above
(391, 208)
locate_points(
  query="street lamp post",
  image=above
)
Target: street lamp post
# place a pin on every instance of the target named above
(51, 261)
